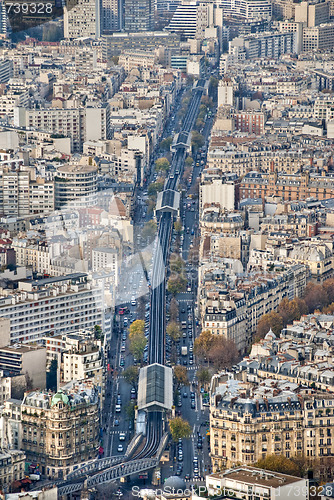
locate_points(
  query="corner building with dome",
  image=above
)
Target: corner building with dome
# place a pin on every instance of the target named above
(60, 430)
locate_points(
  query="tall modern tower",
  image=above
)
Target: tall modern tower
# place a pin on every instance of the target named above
(184, 20)
(111, 15)
(83, 19)
(138, 15)
(4, 25)
(167, 5)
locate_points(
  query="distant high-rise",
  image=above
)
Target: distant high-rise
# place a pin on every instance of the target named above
(138, 15)
(111, 15)
(247, 9)
(225, 92)
(83, 20)
(167, 5)
(185, 19)
(192, 17)
(312, 14)
(4, 26)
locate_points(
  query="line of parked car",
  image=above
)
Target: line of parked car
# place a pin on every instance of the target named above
(179, 458)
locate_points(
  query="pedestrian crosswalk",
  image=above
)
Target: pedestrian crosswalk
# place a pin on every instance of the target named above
(193, 367)
(194, 435)
(187, 299)
(116, 432)
(195, 479)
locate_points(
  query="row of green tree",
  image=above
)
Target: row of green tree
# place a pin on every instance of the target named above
(177, 281)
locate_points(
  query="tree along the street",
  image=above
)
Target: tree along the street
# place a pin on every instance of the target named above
(176, 284)
(174, 330)
(180, 375)
(131, 375)
(179, 428)
(162, 165)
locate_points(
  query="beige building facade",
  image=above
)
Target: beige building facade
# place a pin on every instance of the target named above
(61, 430)
(248, 423)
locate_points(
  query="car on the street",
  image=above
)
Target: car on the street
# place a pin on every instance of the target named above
(133, 393)
(116, 422)
(122, 436)
(185, 394)
(193, 405)
(179, 470)
(120, 448)
(122, 362)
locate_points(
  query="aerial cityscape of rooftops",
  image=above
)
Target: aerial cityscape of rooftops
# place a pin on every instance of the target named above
(167, 249)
